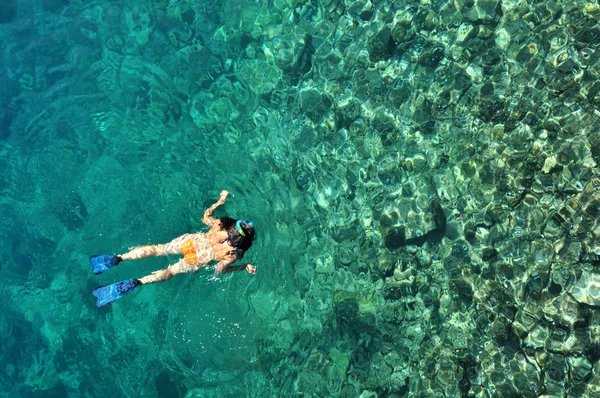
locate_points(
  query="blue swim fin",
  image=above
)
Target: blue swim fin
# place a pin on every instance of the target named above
(109, 293)
(103, 262)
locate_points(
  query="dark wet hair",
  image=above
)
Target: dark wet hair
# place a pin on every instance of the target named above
(240, 243)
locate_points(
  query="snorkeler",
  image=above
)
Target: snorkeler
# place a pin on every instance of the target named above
(226, 241)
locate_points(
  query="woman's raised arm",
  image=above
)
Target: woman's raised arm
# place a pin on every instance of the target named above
(208, 218)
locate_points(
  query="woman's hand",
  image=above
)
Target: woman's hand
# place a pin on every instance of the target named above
(251, 269)
(223, 196)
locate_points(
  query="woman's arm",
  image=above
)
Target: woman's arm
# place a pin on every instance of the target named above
(208, 218)
(224, 268)
(248, 267)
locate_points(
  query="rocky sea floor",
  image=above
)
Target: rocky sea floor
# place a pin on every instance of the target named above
(423, 177)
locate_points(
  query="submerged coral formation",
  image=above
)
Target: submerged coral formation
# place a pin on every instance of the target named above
(427, 173)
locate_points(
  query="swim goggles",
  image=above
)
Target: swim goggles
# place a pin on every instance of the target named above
(238, 225)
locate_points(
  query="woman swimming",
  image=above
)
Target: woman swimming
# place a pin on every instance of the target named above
(226, 241)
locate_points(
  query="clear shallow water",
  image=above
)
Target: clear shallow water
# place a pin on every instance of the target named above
(89, 167)
(422, 178)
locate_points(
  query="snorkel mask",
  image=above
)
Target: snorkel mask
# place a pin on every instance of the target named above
(238, 226)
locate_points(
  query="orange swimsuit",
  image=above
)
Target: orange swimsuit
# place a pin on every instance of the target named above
(189, 252)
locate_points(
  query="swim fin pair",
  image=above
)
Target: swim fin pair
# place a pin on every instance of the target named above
(110, 293)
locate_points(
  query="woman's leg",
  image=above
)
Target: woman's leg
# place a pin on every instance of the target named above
(180, 267)
(145, 251)
(155, 250)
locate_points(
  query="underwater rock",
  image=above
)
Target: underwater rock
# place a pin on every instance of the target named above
(555, 369)
(71, 211)
(414, 218)
(562, 310)
(112, 16)
(395, 238)
(260, 76)
(485, 12)
(578, 217)
(580, 368)
(538, 337)
(397, 289)
(155, 48)
(432, 58)
(165, 386)
(294, 55)
(140, 22)
(500, 329)
(346, 254)
(587, 289)
(314, 105)
(83, 30)
(303, 63)
(459, 325)
(324, 265)
(382, 45)
(525, 319)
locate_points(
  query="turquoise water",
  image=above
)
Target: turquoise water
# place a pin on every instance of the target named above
(422, 176)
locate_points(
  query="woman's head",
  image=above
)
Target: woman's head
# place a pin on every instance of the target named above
(241, 234)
